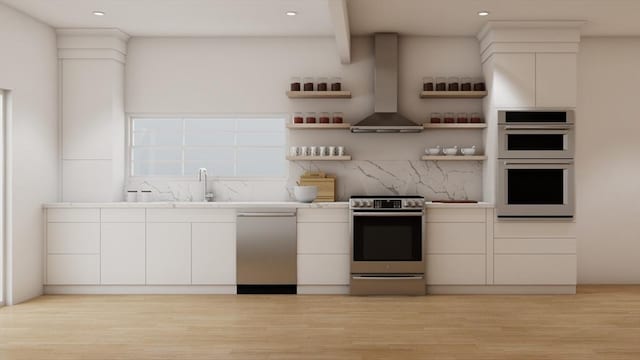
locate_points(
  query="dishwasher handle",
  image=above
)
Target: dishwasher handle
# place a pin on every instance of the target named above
(267, 214)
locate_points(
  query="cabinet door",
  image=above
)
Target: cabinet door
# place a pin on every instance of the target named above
(323, 269)
(323, 238)
(122, 254)
(513, 80)
(73, 269)
(168, 253)
(556, 80)
(213, 253)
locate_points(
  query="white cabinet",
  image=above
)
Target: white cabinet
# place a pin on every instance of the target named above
(512, 79)
(323, 247)
(168, 253)
(534, 253)
(556, 80)
(122, 253)
(213, 253)
(73, 269)
(73, 238)
(532, 79)
(456, 246)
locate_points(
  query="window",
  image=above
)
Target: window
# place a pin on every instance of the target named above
(226, 146)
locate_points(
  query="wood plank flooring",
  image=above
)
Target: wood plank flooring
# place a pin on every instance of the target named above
(600, 322)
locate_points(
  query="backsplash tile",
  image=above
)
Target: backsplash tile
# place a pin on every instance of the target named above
(434, 180)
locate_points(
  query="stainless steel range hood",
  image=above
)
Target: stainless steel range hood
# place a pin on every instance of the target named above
(386, 118)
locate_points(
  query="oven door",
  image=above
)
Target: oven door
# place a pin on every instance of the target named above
(526, 141)
(535, 188)
(387, 242)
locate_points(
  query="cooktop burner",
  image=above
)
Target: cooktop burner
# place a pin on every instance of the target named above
(387, 197)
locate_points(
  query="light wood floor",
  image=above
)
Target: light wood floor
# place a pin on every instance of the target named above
(598, 323)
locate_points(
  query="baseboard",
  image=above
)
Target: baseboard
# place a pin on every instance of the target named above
(323, 289)
(139, 289)
(502, 289)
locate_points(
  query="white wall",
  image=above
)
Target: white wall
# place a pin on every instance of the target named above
(607, 165)
(251, 75)
(28, 69)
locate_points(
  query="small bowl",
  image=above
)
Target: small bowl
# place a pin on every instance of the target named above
(468, 151)
(305, 194)
(432, 151)
(450, 151)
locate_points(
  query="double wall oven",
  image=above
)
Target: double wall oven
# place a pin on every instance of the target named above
(535, 164)
(387, 245)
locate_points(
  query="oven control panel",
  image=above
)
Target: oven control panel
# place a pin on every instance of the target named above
(387, 204)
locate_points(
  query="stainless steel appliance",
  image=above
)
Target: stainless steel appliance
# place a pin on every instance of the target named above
(266, 251)
(535, 164)
(387, 247)
(536, 134)
(386, 118)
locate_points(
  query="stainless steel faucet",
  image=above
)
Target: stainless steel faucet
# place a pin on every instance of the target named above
(202, 177)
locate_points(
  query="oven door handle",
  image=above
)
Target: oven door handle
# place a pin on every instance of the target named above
(539, 163)
(412, 277)
(394, 214)
(533, 127)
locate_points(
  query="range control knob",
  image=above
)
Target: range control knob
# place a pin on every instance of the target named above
(357, 203)
(411, 203)
(367, 203)
(419, 203)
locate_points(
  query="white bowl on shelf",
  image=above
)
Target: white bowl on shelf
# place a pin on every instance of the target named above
(432, 151)
(468, 151)
(305, 194)
(450, 151)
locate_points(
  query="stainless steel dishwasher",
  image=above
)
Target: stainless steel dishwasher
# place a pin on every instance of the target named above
(266, 251)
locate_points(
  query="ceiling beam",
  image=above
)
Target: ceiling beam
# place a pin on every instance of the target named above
(340, 18)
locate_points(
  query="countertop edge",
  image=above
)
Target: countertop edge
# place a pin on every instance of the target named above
(236, 205)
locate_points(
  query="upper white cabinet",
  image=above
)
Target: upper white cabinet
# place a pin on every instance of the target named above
(168, 253)
(556, 79)
(511, 79)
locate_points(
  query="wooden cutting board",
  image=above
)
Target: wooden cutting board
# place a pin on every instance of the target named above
(326, 185)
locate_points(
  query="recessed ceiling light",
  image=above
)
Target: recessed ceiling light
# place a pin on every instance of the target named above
(98, 13)
(291, 13)
(483, 13)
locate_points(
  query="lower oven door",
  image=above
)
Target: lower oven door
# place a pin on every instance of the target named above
(387, 242)
(535, 188)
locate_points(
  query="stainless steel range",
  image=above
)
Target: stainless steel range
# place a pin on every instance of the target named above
(387, 245)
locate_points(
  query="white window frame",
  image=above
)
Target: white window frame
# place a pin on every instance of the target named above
(129, 145)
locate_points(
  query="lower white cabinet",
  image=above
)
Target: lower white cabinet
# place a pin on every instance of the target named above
(458, 269)
(213, 253)
(519, 269)
(122, 253)
(323, 269)
(168, 253)
(73, 269)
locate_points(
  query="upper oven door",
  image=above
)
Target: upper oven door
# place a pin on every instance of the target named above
(527, 141)
(535, 188)
(387, 242)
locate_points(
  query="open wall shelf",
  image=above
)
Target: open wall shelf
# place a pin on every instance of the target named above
(454, 157)
(454, 126)
(453, 94)
(342, 126)
(319, 94)
(319, 158)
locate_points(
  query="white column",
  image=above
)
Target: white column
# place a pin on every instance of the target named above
(93, 123)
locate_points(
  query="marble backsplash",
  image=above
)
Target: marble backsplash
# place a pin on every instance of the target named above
(440, 180)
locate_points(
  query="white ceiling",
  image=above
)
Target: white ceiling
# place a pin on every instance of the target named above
(266, 17)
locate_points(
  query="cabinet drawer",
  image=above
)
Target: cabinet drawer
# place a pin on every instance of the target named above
(190, 215)
(455, 270)
(534, 246)
(73, 238)
(323, 238)
(323, 269)
(455, 238)
(122, 215)
(455, 215)
(534, 269)
(73, 269)
(323, 215)
(533, 229)
(73, 215)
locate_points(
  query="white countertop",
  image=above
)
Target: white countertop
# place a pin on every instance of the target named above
(248, 204)
(202, 205)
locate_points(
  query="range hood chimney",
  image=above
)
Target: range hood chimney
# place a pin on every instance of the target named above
(386, 118)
